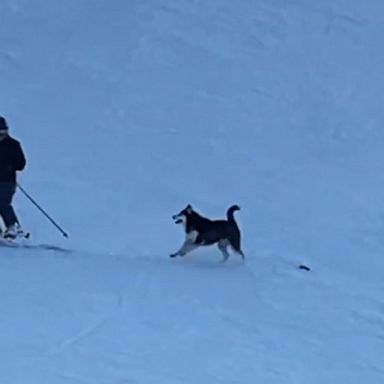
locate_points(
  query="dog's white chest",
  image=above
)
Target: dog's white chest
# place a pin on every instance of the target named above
(191, 236)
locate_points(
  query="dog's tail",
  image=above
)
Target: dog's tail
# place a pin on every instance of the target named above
(234, 236)
(231, 211)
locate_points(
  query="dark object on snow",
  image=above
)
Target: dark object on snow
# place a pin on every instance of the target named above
(304, 267)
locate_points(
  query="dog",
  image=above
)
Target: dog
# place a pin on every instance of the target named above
(201, 231)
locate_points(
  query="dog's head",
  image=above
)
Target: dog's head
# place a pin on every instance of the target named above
(181, 217)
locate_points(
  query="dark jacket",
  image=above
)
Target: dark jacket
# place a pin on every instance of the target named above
(12, 159)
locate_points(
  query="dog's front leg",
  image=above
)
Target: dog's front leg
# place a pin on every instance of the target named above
(187, 247)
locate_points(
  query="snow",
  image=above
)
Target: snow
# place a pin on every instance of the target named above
(130, 110)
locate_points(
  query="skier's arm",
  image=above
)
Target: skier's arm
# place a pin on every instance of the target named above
(19, 160)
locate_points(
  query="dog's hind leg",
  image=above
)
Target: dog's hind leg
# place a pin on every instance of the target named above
(187, 247)
(234, 240)
(222, 245)
(240, 252)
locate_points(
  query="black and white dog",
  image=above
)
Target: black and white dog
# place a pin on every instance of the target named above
(201, 231)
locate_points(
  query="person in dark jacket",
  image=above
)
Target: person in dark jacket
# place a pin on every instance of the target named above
(12, 159)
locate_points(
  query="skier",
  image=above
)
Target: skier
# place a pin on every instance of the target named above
(12, 159)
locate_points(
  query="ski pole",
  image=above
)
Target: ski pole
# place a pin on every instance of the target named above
(42, 210)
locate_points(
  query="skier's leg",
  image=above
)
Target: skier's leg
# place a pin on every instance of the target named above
(7, 213)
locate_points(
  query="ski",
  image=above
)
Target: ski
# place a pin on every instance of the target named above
(16, 243)
(46, 247)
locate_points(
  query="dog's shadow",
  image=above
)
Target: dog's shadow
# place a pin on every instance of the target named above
(210, 261)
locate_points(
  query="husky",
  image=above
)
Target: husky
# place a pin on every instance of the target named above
(201, 231)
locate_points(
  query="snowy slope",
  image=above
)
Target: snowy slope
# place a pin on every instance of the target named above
(129, 110)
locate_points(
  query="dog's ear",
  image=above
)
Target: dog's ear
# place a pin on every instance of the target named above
(189, 208)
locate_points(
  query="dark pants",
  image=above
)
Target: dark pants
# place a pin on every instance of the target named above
(7, 213)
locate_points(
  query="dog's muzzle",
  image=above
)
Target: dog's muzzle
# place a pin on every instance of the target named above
(177, 219)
